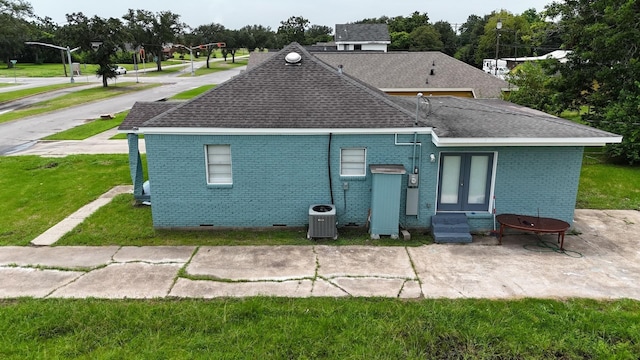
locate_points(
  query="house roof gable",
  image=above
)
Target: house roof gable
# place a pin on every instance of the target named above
(362, 33)
(275, 94)
(143, 111)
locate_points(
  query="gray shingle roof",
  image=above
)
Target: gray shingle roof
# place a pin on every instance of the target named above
(143, 111)
(361, 32)
(278, 95)
(314, 95)
(412, 70)
(455, 117)
(409, 70)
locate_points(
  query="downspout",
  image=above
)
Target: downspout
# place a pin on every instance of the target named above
(329, 167)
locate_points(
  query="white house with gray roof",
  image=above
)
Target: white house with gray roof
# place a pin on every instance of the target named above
(362, 37)
(262, 148)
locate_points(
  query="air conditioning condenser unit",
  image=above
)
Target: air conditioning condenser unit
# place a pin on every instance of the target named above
(322, 221)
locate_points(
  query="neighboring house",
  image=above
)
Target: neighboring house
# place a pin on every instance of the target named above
(362, 37)
(259, 149)
(409, 73)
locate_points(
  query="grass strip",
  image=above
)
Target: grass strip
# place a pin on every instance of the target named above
(45, 70)
(186, 95)
(97, 126)
(121, 223)
(89, 129)
(218, 66)
(76, 98)
(37, 193)
(319, 328)
(22, 93)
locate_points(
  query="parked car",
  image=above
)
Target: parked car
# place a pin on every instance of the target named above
(119, 70)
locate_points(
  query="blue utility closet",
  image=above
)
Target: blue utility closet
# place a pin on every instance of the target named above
(386, 189)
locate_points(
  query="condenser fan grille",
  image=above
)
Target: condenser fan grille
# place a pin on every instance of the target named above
(322, 208)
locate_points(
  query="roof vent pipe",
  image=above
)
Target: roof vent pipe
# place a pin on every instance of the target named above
(340, 69)
(432, 72)
(419, 96)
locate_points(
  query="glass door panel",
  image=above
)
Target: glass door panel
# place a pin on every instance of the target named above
(450, 179)
(478, 179)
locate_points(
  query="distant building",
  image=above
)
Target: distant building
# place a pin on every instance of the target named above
(506, 64)
(362, 37)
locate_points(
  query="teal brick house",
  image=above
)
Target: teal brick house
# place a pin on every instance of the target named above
(260, 149)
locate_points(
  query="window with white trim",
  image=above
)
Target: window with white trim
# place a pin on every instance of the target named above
(353, 162)
(219, 164)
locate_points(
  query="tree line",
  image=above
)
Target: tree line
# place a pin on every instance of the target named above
(600, 80)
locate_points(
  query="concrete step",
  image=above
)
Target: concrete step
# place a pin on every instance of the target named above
(450, 228)
(441, 238)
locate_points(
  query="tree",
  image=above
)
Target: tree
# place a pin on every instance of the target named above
(14, 28)
(292, 29)
(532, 86)
(153, 31)
(425, 38)
(470, 33)
(231, 38)
(245, 38)
(318, 33)
(400, 41)
(603, 70)
(512, 26)
(447, 37)
(207, 34)
(111, 33)
(408, 24)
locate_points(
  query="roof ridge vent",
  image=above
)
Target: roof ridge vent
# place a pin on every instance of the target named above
(293, 58)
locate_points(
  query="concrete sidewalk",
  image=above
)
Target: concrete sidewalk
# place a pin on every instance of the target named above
(602, 262)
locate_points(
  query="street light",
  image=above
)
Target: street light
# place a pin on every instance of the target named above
(190, 55)
(69, 51)
(498, 28)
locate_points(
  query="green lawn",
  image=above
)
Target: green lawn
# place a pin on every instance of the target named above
(218, 66)
(44, 70)
(186, 95)
(120, 223)
(319, 328)
(608, 186)
(89, 129)
(39, 192)
(76, 98)
(22, 93)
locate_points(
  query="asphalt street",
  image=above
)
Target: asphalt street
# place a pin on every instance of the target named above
(21, 134)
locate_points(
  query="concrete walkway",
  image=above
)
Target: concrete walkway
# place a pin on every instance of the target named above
(54, 233)
(602, 262)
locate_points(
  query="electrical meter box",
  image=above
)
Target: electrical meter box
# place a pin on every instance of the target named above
(414, 180)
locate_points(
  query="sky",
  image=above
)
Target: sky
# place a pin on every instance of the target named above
(234, 14)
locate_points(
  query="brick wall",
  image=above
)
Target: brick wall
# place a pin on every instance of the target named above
(276, 178)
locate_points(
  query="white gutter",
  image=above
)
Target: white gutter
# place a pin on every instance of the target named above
(437, 141)
(253, 131)
(484, 142)
(363, 42)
